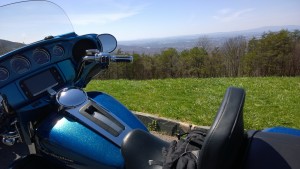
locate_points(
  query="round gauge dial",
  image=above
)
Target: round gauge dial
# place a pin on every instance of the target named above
(58, 51)
(4, 74)
(41, 56)
(20, 64)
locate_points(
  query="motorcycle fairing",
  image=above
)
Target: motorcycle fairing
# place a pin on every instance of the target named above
(67, 63)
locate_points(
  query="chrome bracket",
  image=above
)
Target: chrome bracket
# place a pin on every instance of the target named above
(11, 137)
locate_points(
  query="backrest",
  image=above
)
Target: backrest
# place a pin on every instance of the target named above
(225, 139)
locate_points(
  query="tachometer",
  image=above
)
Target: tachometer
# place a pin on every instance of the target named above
(4, 74)
(20, 64)
(41, 56)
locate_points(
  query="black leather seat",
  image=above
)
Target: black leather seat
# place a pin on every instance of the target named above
(139, 147)
(225, 140)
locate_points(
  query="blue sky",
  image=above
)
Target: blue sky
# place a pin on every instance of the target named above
(140, 19)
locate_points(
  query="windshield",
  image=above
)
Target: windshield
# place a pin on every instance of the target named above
(26, 22)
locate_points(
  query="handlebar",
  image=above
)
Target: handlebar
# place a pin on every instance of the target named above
(102, 59)
(95, 55)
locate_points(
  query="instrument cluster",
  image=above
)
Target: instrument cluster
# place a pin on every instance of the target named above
(30, 71)
(22, 63)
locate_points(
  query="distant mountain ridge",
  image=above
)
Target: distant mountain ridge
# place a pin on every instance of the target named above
(156, 45)
(7, 46)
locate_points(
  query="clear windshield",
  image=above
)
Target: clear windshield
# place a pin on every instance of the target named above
(26, 22)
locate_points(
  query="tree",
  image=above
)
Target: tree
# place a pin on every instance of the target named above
(168, 63)
(251, 62)
(197, 59)
(295, 59)
(234, 49)
(215, 64)
(205, 43)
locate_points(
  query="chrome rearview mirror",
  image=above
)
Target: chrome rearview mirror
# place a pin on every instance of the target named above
(108, 42)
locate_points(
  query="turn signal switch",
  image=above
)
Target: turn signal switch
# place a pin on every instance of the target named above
(93, 55)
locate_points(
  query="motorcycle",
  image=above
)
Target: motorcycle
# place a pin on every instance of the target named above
(43, 104)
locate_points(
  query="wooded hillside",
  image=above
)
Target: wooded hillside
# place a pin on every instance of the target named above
(274, 54)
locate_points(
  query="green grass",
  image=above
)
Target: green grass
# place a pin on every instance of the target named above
(270, 101)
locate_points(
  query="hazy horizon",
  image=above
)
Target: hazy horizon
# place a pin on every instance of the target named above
(260, 29)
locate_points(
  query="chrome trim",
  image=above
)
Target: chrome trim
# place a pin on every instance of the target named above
(71, 97)
(117, 140)
(51, 92)
(11, 137)
(8, 141)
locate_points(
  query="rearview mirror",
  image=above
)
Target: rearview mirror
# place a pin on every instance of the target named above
(108, 42)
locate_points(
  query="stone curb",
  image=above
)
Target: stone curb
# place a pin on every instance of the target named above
(165, 125)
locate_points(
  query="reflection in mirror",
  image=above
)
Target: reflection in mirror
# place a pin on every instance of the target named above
(108, 42)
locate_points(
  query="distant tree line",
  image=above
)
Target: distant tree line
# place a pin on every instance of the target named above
(273, 54)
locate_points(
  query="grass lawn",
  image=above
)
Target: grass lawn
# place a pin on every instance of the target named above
(270, 101)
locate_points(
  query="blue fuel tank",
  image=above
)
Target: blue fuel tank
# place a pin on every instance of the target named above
(91, 143)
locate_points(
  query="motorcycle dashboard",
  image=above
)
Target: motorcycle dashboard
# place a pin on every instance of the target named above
(28, 72)
(30, 59)
(38, 50)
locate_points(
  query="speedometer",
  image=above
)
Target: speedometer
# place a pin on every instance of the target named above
(20, 64)
(41, 56)
(4, 74)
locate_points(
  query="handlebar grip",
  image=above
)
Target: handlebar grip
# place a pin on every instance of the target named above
(116, 58)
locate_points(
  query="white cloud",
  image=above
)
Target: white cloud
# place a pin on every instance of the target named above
(228, 15)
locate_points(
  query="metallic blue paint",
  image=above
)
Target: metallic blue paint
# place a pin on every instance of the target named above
(64, 138)
(283, 130)
(13, 94)
(71, 140)
(118, 109)
(66, 69)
